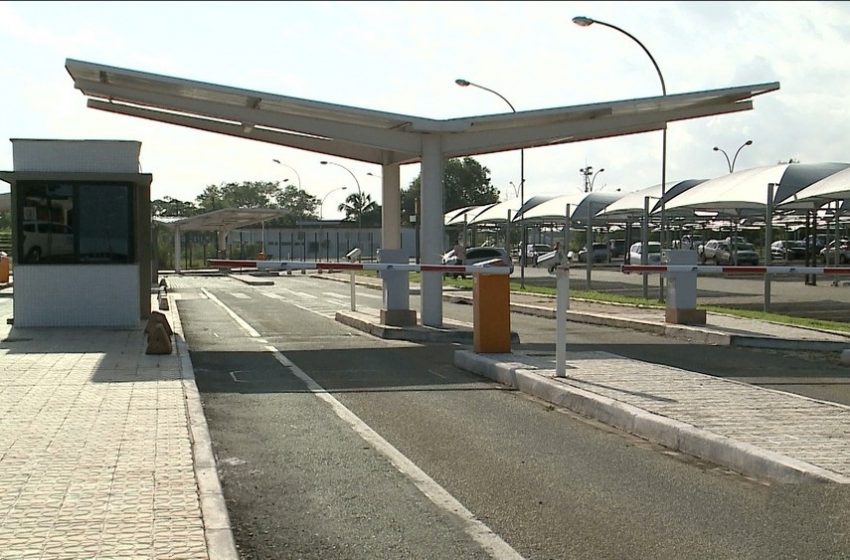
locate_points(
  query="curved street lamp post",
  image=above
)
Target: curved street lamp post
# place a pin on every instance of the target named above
(277, 161)
(359, 191)
(731, 164)
(589, 181)
(322, 204)
(523, 247)
(585, 22)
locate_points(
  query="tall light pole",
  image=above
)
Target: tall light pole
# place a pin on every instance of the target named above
(359, 190)
(586, 21)
(277, 161)
(465, 83)
(731, 164)
(322, 204)
(587, 172)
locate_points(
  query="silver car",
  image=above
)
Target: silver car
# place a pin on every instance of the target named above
(494, 256)
(653, 253)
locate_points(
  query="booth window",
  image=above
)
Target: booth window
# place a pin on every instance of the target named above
(74, 223)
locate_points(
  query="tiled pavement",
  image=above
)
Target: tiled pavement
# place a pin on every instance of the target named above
(750, 429)
(96, 457)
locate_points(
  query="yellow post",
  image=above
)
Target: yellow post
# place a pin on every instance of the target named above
(491, 310)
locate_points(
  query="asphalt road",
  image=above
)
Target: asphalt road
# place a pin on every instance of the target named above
(335, 444)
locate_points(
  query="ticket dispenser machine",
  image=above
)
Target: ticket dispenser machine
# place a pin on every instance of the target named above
(81, 233)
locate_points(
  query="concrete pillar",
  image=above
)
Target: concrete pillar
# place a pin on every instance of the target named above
(682, 290)
(177, 255)
(391, 207)
(432, 229)
(222, 244)
(396, 285)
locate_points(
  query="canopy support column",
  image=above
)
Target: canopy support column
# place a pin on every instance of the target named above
(396, 285)
(431, 194)
(177, 255)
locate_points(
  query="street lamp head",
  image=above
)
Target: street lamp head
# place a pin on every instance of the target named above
(716, 149)
(462, 83)
(601, 170)
(323, 162)
(582, 21)
(276, 160)
(748, 143)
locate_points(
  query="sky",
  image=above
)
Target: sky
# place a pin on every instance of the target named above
(404, 57)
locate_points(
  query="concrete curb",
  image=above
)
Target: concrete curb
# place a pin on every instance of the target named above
(452, 331)
(217, 528)
(702, 335)
(744, 458)
(251, 281)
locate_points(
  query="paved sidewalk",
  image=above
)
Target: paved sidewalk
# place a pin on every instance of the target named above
(752, 430)
(104, 452)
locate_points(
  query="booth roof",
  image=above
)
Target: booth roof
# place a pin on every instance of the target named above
(225, 219)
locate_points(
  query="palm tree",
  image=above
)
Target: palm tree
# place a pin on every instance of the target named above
(355, 205)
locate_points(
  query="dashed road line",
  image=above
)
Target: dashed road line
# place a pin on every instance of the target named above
(489, 541)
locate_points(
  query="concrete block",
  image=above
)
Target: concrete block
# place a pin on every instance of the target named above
(158, 318)
(158, 340)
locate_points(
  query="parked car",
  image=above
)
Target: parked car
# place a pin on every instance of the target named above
(827, 254)
(653, 253)
(691, 242)
(479, 256)
(786, 250)
(599, 252)
(819, 241)
(46, 240)
(617, 248)
(720, 252)
(534, 250)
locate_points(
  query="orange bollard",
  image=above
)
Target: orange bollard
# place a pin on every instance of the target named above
(4, 270)
(491, 311)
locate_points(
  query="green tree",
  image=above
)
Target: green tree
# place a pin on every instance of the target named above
(168, 206)
(247, 194)
(360, 208)
(300, 204)
(465, 183)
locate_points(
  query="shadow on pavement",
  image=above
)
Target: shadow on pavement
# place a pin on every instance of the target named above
(420, 368)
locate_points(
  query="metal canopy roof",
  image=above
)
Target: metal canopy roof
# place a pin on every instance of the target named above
(223, 220)
(376, 136)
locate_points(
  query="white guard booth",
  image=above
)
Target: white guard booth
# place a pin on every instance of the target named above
(81, 229)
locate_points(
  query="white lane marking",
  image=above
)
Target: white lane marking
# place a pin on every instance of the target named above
(370, 296)
(478, 531)
(439, 496)
(305, 295)
(335, 295)
(239, 321)
(240, 295)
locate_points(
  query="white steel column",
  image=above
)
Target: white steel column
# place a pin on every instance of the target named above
(432, 229)
(177, 254)
(396, 285)
(391, 207)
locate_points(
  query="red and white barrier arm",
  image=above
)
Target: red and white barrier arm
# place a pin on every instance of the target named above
(401, 267)
(705, 269)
